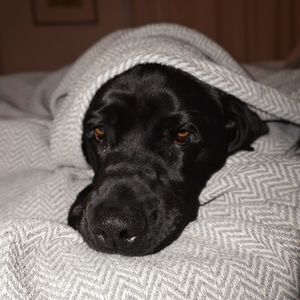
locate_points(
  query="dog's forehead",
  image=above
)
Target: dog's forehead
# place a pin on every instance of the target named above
(142, 94)
(148, 107)
(165, 87)
(150, 92)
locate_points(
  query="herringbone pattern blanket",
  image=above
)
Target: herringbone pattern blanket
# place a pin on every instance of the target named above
(245, 243)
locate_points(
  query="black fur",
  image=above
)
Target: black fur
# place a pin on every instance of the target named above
(146, 185)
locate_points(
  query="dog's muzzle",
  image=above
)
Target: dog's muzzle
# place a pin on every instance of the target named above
(122, 212)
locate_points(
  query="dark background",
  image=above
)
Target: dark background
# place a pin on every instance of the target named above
(251, 30)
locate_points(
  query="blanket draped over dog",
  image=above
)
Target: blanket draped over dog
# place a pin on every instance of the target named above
(245, 243)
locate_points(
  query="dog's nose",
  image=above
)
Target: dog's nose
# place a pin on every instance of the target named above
(118, 229)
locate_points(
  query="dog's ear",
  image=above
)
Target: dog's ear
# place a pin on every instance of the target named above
(243, 126)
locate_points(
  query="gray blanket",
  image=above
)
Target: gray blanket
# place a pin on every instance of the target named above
(245, 243)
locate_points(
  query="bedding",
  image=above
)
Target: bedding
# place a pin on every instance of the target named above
(245, 243)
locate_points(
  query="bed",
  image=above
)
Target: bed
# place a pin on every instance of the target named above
(245, 243)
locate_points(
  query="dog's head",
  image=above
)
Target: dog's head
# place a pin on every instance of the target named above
(153, 136)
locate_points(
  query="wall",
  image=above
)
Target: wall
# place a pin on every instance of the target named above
(251, 30)
(25, 46)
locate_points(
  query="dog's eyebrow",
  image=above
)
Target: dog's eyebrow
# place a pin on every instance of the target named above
(110, 105)
(186, 116)
(117, 97)
(99, 116)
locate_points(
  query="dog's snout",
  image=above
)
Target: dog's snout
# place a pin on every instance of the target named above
(118, 229)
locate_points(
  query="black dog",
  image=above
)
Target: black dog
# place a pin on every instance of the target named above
(154, 135)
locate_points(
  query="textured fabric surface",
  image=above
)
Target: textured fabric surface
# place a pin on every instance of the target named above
(245, 242)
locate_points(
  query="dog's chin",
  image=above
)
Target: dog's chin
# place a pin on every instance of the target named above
(150, 243)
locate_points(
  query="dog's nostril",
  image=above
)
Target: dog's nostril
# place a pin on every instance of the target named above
(117, 229)
(102, 234)
(124, 235)
(131, 239)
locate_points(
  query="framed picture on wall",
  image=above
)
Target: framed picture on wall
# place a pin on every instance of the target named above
(64, 12)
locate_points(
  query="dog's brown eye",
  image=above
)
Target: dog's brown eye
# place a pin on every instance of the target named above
(182, 137)
(99, 133)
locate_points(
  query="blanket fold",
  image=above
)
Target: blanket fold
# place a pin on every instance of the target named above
(245, 242)
(172, 45)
